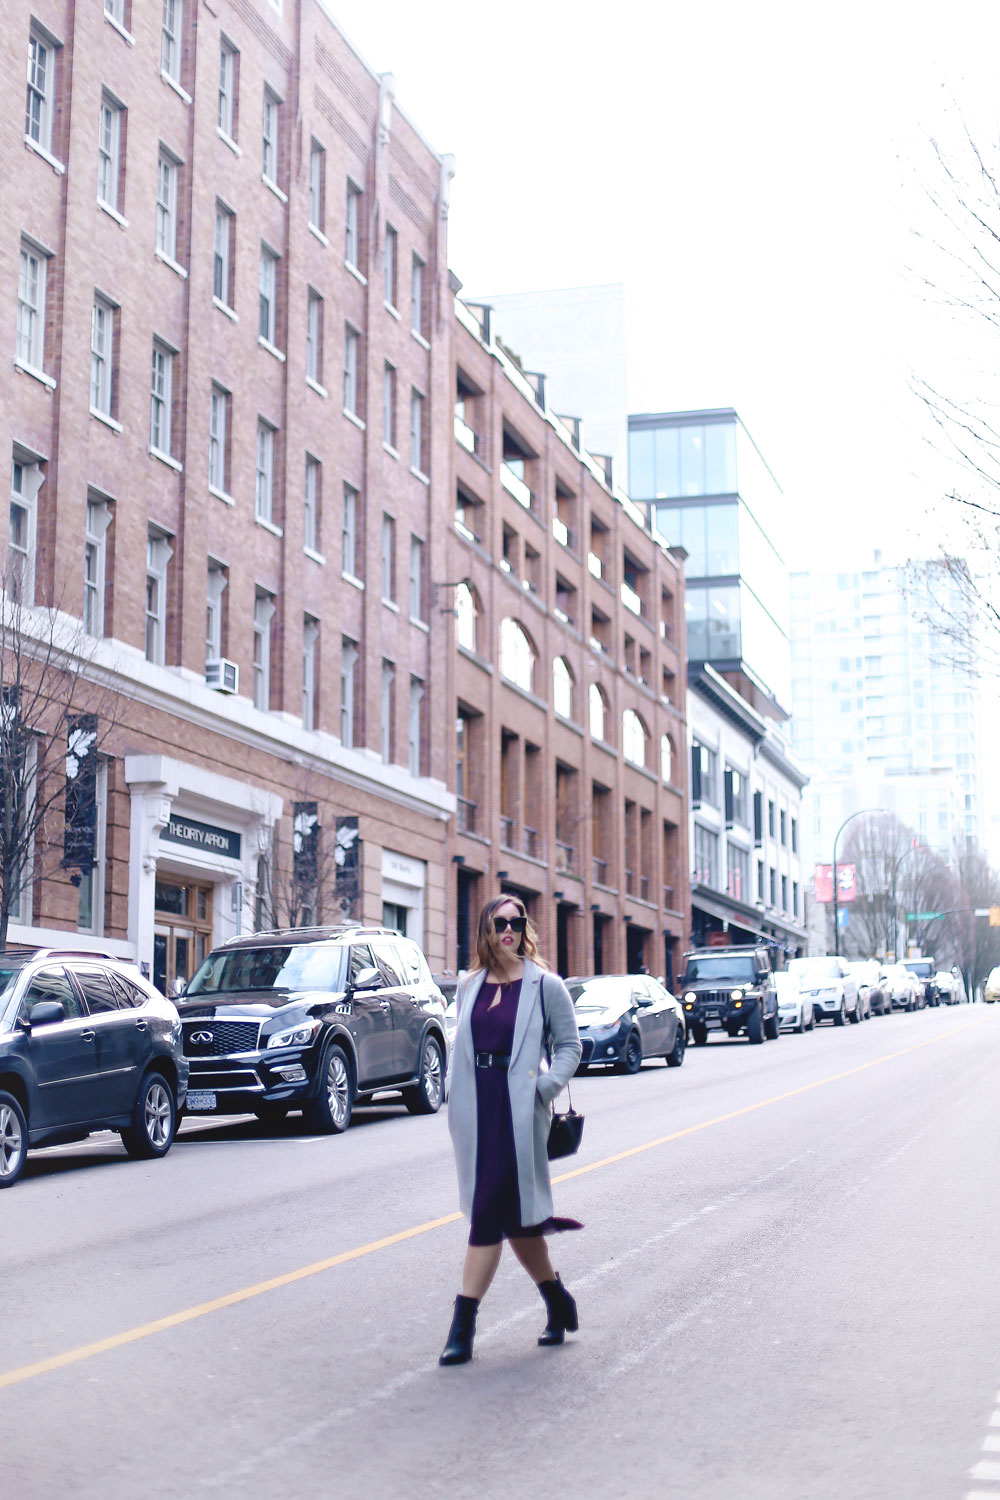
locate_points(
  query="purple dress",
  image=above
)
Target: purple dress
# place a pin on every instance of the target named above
(496, 1201)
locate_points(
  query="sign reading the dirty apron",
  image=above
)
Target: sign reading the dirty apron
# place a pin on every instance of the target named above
(202, 836)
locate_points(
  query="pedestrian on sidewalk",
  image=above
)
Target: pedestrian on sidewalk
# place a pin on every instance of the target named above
(512, 1014)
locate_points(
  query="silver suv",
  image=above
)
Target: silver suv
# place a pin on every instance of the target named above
(313, 1019)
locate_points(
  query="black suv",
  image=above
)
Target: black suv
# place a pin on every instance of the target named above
(732, 990)
(314, 1019)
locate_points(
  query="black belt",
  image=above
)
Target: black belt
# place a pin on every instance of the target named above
(493, 1060)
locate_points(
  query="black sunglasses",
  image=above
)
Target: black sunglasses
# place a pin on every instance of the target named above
(516, 924)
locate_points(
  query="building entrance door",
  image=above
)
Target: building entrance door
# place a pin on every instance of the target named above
(182, 935)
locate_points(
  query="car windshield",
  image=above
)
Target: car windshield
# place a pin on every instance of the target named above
(732, 969)
(815, 968)
(599, 994)
(8, 976)
(280, 967)
(920, 967)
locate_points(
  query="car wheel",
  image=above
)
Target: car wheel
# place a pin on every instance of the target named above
(424, 1098)
(330, 1112)
(13, 1140)
(755, 1027)
(800, 1028)
(632, 1055)
(700, 1034)
(841, 1015)
(154, 1119)
(676, 1054)
(270, 1114)
(772, 1029)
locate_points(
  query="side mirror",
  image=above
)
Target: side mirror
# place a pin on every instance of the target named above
(366, 979)
(643, 1001)
(46, 1013)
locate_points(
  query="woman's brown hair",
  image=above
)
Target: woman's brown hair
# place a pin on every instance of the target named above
(487, 947)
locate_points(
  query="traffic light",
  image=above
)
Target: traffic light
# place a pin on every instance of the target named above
(995, 916)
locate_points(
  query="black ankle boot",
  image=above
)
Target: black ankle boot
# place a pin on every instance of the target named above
(562, 1312)
(458, 1349)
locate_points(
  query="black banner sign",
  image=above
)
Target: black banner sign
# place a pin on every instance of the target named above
(80, 837)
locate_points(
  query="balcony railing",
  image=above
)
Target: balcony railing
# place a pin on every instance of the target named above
(630, 599)
(515, 486)
(595, 565)
(532, 842)
(465, 435)
(565, 855)
(599, 870)
(560, 531)
(466, 815)
(507, 833)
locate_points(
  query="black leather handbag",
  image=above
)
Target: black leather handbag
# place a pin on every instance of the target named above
(566, 1130)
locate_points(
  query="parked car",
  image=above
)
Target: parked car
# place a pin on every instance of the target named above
(832, 987)
(902, 986)
(85, 1044)
(923, 971)
(313, 1019)
(949, 986)
(624, 1018)
(991, 989)
(795, 1009)
(731, 990)
(869, 980)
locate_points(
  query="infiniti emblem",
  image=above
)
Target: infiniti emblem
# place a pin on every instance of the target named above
(202, 1038)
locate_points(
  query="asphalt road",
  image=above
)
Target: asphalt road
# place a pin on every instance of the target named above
(787, 1285)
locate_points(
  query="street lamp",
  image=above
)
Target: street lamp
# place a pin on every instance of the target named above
(862, 812)
(916, 849)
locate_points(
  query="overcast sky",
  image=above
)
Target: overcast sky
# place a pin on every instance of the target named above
(751, 173)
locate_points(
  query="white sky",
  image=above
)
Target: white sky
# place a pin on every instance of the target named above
(750, 172)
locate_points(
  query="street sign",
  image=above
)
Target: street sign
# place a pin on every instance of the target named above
(924, 916)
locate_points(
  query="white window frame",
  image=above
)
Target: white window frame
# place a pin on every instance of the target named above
(634, 738)
(26, 479)
(386, 697)
(352, 350)
(215, 586)
(167, 174)
(517, 656)
(666, 758)
(414, 726)
(562, 688)
(417, 296)
(466, 617)
(115, 9)
(416, 579)
(388, 558)
(171, 39)
(102, 355)
(348, 683)
(264, 473)
(352, 225)
(91, 885)
(158, 555)
(598, 714)
(218, 439)
(226, 114)
(109, 141)
(38, 109)
(95, 558)
(310, 643)
(416, 430)
(391, 266)
(314, 337)
(270, 126)
(317, 185)
(311, 499)
(349, 532)
(389, 405)
(267, 286)
(263, 613)
(161, 399)
(222, 256)
(32, 276)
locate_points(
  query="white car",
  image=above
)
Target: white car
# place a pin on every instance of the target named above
(902, 986)
(873, 998)
(831, 986)
(795, 1009)
(991, 989)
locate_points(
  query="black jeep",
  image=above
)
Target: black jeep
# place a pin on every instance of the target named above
(731, 990)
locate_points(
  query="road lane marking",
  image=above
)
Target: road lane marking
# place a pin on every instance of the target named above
(289, 1278)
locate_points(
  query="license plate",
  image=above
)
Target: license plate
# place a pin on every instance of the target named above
(200, 1099)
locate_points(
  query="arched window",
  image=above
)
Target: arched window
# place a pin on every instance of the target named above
(562, 687)
(517, 655)
(598, 712)
(633, 738)
(666, 757)
(467, 617)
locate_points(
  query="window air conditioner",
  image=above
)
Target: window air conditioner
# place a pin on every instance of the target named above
(223, 675)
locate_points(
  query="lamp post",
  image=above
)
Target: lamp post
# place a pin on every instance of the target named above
(861, 812)
(916, 849)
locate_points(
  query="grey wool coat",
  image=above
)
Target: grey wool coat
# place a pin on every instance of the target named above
(532, 1086)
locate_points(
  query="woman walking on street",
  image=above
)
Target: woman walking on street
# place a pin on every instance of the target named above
(511, 1013)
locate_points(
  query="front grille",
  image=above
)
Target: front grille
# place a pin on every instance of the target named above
(715, 997)
(236, 1078)
(220, 1038)
(587, 1043)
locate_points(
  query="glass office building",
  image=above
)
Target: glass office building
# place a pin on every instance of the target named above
(706, 488)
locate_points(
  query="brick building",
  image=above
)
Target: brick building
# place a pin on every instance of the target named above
(229, 417)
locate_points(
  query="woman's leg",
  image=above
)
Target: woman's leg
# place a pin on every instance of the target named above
(533, 1253)
(480, 1267)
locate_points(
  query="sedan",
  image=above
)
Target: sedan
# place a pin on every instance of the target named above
(85, 1044)
(991, 989)
(626, 1017)
(902, 986)
(795, 1009)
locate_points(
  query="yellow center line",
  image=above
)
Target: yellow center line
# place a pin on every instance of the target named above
(288, 1278)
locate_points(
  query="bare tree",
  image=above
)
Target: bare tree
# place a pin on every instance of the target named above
(980, 885)
(896, 875)
(311, 875)
(56, 716)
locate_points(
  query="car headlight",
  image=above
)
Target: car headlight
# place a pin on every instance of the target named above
(736, 994)
(690, 997)
(299, 1035)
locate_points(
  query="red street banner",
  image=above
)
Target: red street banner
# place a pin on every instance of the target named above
(847, 883)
